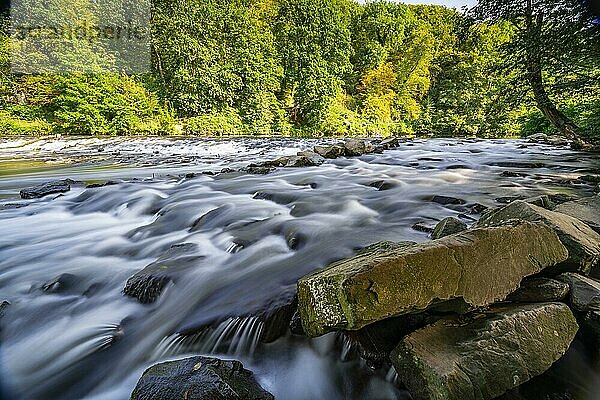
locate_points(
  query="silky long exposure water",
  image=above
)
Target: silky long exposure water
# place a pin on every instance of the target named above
(254, 236)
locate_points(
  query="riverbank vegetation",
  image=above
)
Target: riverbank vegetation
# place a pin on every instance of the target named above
(330, 67)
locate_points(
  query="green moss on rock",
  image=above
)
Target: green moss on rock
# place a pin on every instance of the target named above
(483, 359)
(479, 266)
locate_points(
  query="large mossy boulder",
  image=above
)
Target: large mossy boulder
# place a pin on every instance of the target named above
(148, 284)
(477, 267)
(586, 210)
(582, 242)
(199, 378)
(484, 358)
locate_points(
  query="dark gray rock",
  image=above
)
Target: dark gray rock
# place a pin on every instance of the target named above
(585, 291)
(542, 201)
(581, 241)
(199, 378)
(355, 148)
(148, 284)
(585, 301)
(12, 206)
(590, 178)
(382, 185)
(586, 210)
(60, 186)
(484, 358)
(539, 290)
(423, 227)
(61, 283)
(448, 226)
(334, 151)
(447, 200)
(102, 184)
(376, 341)
(389, 143)
(3, 307)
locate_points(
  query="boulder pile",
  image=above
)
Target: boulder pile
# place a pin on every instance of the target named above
(474, 313)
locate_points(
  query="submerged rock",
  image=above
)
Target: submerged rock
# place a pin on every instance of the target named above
(448, 226)
(447, 200)
(586, 210)
(199, 378)
(478, 267)
(60, 186)
(483, 359)
(61, 283)
(540, 290)
(148, 284)
(580, 240)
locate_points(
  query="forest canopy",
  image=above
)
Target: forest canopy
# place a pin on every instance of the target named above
(327, 67)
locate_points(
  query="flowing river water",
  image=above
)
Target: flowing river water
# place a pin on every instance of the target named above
(254, 237)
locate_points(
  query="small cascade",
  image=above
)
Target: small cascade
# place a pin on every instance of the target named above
(235, 336)
(348, 347)
(392, 375)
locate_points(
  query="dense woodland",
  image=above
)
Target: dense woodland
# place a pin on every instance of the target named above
(328, 67)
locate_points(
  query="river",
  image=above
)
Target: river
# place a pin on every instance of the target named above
(257, 236)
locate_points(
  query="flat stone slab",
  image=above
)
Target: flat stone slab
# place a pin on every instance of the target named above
(586, 210)
(486, 357)
(477, 267)
(582, 242)
(60, 186)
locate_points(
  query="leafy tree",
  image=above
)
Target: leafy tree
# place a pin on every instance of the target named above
(555, 44)
(314, 43)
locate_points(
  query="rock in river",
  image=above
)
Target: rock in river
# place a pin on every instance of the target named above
(586, 210)
(148, 284)
(448, 226)
(478, 267)
(483, 359)
(47, 188)
(199, 378)
(582, 242)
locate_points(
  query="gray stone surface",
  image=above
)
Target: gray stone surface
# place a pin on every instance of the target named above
(482, 359)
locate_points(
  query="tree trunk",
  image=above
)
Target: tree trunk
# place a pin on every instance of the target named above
(565, 126)
(546, 106)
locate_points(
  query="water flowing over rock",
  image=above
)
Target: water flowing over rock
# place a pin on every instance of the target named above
(199, 378)
(148, 284)
(580, 240)
(45, 189)
(486, 357)
(448, 226)
(586, 210)
(477, 267)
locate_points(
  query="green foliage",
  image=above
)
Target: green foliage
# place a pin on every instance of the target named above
(317, 67)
